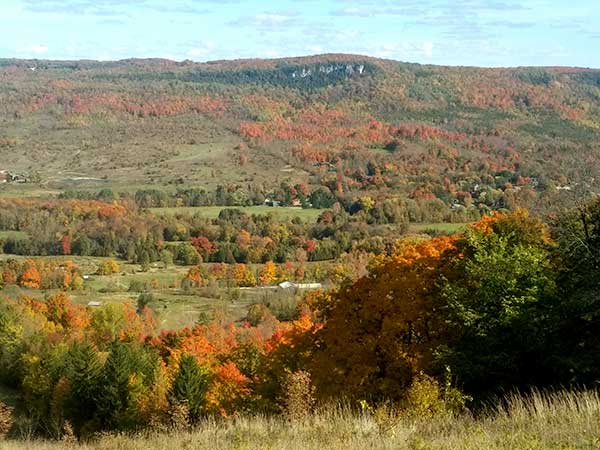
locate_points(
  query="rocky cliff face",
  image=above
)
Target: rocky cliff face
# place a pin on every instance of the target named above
(327, 69)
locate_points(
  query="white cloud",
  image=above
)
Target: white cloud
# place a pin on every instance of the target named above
(268, 21)
(271, 20)
(428, 48)
(36, 49)
(353, 11)
(404, 51)
(201, 51)
(269, 53)
(315, 49)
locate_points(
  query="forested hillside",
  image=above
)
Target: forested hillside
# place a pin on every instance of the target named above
(354, 126)
(325, 243)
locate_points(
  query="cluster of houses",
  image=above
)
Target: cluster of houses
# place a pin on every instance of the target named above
(276, 203)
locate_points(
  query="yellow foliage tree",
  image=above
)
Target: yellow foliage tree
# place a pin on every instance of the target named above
(109, 267)
(243, 276)
(268, 273)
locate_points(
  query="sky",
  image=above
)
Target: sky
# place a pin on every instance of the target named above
(488, 33)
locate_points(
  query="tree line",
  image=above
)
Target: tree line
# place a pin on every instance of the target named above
(510, 303)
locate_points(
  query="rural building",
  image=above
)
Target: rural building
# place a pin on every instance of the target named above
(288, 285)
(4, 176)
(18, 178)
(309, 286)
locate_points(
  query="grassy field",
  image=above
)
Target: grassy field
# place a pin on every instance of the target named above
(174, 307)
(440, 227)
(212, 212)
(564, 421)
(13, 235)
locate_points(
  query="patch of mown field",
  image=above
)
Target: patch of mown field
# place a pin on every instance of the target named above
(438, 227)
(175, 306)
(212, 212)
(13, 235)
(87, 264)
(26, 190)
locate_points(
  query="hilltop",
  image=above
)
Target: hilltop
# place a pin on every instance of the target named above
(348, 123)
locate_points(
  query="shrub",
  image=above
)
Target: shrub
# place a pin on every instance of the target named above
(257, 314)
(6, 419)
(298, 398)
(144, 299)
(109, 267)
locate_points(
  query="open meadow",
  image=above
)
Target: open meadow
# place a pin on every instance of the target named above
(567, 420)
(174, 307)
(212, 212)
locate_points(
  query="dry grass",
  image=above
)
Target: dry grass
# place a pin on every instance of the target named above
(560, 421)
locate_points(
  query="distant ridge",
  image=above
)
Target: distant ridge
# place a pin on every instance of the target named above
(265, 62)
(353, 125)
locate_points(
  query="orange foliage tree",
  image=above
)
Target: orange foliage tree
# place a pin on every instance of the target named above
(194, 276)
(381, 331)
(31, 277)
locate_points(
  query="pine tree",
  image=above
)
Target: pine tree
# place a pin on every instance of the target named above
(190, 385)
(84, 376)
(124, 362)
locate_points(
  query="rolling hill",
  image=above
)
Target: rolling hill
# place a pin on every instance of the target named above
(352, 124)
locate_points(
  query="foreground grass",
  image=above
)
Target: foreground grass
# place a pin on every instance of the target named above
(561, 421)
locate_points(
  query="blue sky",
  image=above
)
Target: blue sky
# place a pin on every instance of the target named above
(453, 32)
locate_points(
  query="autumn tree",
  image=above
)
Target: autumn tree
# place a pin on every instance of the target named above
(204, 247)
(65, 244)
(496, 299)
(31, 276)
(243, 276)
(384, 328)
(194, 276)
(109, 267)
(268, 273)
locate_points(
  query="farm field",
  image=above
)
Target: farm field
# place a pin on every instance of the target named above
(440, 227)
(212, 212)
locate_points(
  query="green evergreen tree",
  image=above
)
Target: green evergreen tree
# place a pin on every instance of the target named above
(115, 406)
(84, 373)
(190, 385)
